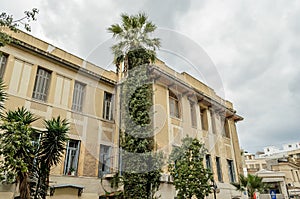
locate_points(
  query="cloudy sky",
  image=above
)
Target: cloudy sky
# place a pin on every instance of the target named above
(251, 47)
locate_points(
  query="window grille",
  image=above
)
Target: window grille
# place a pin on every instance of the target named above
(41, 85)
(78, 96)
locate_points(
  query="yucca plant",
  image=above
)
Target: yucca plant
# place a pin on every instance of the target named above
(17, 149)
(52, 147)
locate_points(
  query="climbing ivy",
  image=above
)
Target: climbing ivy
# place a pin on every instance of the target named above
(141, 165)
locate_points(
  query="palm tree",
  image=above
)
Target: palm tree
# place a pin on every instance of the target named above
(251, 184)
(133, 33)
(52, 147)
(17, 148)
(136, 48)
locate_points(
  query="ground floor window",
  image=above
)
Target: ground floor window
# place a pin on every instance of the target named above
(219, 169)
(208, 162)
(104, 160)
(231, 171)
(72, 155)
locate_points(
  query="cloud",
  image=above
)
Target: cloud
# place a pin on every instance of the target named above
(256, 55)
(252, 48)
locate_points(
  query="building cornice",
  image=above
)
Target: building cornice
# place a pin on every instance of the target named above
(48, 56)
(160, 75)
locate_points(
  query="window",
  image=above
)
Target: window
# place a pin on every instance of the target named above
(78, 95)
(41, 85)
(219, 169)
(3, 61)
(226, 128)
(104, 160)
(208, 162)
(203, 114)
(193, 114)
(72, 155)
(174, 105)
(213, 121)
(297, 174)
(108, 106)
(231, 171)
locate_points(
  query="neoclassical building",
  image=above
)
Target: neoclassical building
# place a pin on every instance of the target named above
(51, 82)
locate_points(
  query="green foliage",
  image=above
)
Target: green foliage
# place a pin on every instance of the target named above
(7, 21)
(24, 157)
(251, 184)
(52, 146)
(186, 167)
(53, 141)
(141, 165)
(133, 33)
(17, 148)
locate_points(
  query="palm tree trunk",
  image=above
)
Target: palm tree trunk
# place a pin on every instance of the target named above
(24, 186)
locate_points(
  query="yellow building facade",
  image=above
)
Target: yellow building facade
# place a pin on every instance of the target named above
(51, 82)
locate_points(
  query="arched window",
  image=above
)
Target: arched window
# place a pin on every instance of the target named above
(174, 105)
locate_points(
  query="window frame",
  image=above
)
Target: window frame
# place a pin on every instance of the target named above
(68, 163)
(231, 170)
(42, 84)
(208, 162)
(3, 64)
(213, 121)
(78, 96)
(219, 169)
(104, 164)
(108, 113)
(174, 104)
(193, 114)
(204, 119)
(226, 128)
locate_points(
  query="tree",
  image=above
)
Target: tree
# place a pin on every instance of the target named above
(7, 21)
(141, 165)
(251, 184)
(17, 149)
(186, 167)
(133, 34)
(52, 146)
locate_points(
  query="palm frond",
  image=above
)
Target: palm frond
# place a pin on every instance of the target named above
(3, 95)
(149, 27)
(20, 115)
(54, 140)
(133, 33)
(115, 29)
(142, 18)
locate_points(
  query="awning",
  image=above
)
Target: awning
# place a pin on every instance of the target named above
(60, 186)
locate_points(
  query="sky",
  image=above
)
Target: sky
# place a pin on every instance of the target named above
(248, 51)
